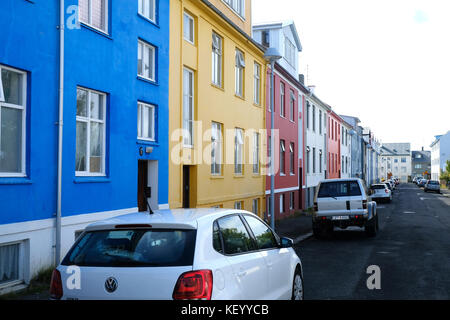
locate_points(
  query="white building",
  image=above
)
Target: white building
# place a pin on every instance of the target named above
(395, 160)
(346, 150)
(315, 129)
(440, 153)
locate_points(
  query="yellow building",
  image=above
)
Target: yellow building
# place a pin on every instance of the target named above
(216, 103)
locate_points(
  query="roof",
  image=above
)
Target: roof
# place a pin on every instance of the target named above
(281, 24)
(438, 138)
(182, 218)
(340, 179)
(396, 149)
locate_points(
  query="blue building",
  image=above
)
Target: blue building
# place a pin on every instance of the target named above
(114, 97)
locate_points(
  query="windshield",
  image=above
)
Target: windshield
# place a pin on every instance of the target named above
(378, 186)
(133, 248)
(339, 189)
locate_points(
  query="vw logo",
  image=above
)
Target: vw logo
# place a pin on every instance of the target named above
(111, 284)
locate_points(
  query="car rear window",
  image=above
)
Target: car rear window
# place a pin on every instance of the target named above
(133, 248)
(378, 186)
(339, 189)
(433, 182)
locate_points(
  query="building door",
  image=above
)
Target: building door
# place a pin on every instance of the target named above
(142, 185)
(186, 187)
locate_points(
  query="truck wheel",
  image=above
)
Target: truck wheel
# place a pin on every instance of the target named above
(372, 228)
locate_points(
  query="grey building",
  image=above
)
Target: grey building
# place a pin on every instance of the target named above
(395, 161)
(421, 164)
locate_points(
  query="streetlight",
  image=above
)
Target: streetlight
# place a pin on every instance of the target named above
(272, 55)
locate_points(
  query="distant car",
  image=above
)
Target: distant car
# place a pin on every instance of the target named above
(432, 185)
(417, 180)
(381, 192)
(422, 183)
(389, 186)
(391, 182)
(184, 254)
(343, 203)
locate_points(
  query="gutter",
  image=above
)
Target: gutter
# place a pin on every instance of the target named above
(60, 132)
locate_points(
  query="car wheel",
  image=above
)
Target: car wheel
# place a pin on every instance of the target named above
(372, 228)
(297, 286)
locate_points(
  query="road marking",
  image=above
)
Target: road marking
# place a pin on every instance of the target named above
(381, 207)
(302, 238)
(408, 212)
(383, 252)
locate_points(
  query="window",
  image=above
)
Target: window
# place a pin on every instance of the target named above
(265, 39)
(188, 28)
(238, 205)
(282, 157)
(255, 206)
(403, 160)
(256, 153)
(265, 238)
(307, 159)
(282, 97)
(12, 122)
(314, 160)
(238, 6)
(235, 236)
(307, 114)
(418, 166)
(320, 121)
(240, 66)
(291, 161)
(282, 203)
(10, 263)
(90, 132)
(147, 8)
(395, 160)
(94, 13)
(188, 107)
(289, 50)
(216, 60)
(257, 84)
(320, 161)
(216, 149)
(146, 121)
(314, 118)
(146, 61)
(339, 189)
(342, 164)
(238, 150)
(291, 201)
(292, 107)
(403, 170)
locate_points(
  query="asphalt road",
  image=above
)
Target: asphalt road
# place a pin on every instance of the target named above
(412, 250)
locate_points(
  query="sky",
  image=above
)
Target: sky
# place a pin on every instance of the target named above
(385, 62)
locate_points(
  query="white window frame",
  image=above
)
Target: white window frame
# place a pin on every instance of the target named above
(237, 6)
(21, 264)
(216, 60)
(292, 106)
(282, 100)
(142, 45)
(282, 157)
(216, 144)
(188, 96)
(255, 206)
(238, 151)
(141, 5)
(256, 151)
(22, 107)
(238, 205)
(152, 112)
(88, 121)
(292, 159)
(239, 73)
(89, 22)
(187, 35)
(282, 209)
(257, 84)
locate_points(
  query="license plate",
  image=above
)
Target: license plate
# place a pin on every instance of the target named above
(341, 217)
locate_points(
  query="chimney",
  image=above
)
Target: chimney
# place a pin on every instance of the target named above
(301, 78)
(422, 148)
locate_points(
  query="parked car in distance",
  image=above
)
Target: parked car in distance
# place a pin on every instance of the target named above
(343, 203)
(389, 186)
(422, 183)
(381, 192)
(192, 254)
(432, 185)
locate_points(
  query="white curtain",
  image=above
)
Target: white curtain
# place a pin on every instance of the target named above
(9, 263)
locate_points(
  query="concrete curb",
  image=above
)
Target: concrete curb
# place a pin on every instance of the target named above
(303, 238)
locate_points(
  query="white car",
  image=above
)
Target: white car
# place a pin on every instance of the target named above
(204, 254)
(381, 191)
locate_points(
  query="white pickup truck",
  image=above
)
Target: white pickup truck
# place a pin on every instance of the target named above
(343, 203)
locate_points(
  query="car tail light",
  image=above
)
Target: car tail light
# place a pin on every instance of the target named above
(56, 290)
(316, 207)
(364, 203)
(194, 285)
(386, 190)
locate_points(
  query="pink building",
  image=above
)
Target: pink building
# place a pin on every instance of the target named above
(334, 145)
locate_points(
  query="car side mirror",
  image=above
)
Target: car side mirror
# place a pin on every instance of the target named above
(286, 243)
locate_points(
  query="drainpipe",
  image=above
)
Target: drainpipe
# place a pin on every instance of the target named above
(60, 131)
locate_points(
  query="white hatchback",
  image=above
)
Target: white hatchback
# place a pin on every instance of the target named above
(205, 254)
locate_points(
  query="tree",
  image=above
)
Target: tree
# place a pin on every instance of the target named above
(445, 175)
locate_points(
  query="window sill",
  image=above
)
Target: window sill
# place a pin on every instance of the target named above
(239, 176)
(239, 97)
(155, 23)
(14, 180)
(217, 87)
(153, 82)
(213, 177)
(147, 142)
(98, 31)
(91, 179)
(258, 105)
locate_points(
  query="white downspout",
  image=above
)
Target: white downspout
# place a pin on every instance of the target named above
(60, 131)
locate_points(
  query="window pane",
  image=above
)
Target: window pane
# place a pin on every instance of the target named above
(96, 143)
(264, 236)
(235, 236)
(12, 83)
(83, 10)
(96, 106)
(82, 103)
(11, 140)
(150, 62)
(81, 148)
(98, 14)
(9, 263)
(140, 66)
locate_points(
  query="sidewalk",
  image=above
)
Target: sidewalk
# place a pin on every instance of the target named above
(298, 228)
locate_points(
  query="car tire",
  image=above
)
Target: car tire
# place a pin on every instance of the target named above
(321, 231)
(298, 289)
(371, 229)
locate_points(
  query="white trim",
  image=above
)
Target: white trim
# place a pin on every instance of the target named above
(89, 24)
(140, 4)
(164, 206)
(191, 19)
(141, 106)
(145, 45)
(191, 97)
(284, 190)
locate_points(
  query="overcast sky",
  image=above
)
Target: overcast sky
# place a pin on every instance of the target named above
(386, 62)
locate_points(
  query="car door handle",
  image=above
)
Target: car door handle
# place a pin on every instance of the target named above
(242, 274)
